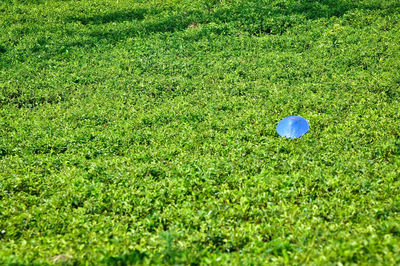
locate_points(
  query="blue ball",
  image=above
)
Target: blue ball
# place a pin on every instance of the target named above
(292, 127)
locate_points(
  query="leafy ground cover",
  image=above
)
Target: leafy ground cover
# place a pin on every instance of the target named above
(144, 132)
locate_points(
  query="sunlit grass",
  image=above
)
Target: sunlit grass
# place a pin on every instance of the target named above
(144, 132)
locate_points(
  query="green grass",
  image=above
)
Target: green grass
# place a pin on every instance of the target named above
(144, 132)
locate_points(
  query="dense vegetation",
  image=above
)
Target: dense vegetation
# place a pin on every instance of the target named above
(144, 132)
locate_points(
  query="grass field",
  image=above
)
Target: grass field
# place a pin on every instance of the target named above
(144, 132)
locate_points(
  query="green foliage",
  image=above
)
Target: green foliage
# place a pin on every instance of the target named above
(143, 132)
